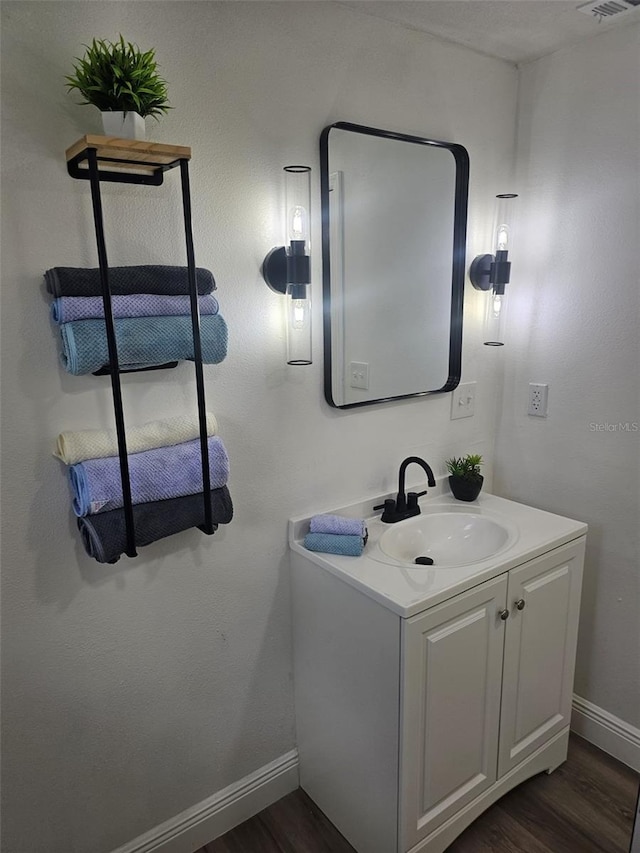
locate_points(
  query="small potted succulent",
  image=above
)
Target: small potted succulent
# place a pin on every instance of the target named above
(123, 82)
(465, 479)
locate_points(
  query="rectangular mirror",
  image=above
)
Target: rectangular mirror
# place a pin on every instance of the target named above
(394, 220)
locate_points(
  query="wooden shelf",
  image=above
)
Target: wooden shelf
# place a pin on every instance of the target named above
(128, 160)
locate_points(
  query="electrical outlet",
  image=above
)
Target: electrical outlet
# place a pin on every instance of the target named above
(538, 400)
(463, 401)
(359, 374)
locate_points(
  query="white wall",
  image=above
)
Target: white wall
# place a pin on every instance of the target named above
(132, 692)
(575, 324)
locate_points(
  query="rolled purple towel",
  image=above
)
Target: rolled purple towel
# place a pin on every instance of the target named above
(158, 474)
(338, 525)
(329, 543)
(66, 309)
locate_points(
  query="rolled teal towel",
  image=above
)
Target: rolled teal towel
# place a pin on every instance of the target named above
(337, 524)
(330, 543)
(141, 341)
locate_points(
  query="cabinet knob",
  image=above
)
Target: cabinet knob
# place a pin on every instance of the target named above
(504, 615)
(520, 604)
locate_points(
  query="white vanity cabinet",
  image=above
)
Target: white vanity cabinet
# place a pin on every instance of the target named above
(487, 681)
(409, 727)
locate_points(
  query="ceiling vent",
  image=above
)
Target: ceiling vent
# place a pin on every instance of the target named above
(606, 9)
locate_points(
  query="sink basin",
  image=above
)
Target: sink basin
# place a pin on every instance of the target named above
(449, 536)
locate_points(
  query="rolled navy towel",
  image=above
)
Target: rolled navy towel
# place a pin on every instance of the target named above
(155, 475)
(77, 281)
(330, 543)
(141, 342)
(66, 309)
(104, 536)
(337, 524)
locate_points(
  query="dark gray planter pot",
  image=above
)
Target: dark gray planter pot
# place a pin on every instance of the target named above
(465, 490)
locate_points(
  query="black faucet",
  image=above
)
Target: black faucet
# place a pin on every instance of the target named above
(405, 505)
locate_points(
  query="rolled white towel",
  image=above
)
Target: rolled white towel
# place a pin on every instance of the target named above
(74, 447)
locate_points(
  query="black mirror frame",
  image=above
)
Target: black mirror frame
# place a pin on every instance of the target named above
(461, 157)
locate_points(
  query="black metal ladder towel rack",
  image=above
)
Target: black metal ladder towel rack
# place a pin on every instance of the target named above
(139, 162)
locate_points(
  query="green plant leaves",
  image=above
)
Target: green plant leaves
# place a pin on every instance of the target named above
(467, 466)
(119, 76)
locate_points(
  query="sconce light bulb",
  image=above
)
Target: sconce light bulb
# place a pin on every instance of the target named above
(502, 239)
(299, 313)
(496, 306)
(299, 327)
(298, 223)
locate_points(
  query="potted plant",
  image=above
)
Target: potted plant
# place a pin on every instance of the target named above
(465, 479)
(123, 82)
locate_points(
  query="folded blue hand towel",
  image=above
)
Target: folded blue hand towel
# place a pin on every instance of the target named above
(338, 525)
(77, 281)
(66, 309)
(350, 546)
(159, 474)
(142, 342)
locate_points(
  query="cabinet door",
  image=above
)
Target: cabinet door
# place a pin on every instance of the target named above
(452, 667)
(539, 654)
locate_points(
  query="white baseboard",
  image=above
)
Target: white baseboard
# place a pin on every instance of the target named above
(195, 827)
(611, 734)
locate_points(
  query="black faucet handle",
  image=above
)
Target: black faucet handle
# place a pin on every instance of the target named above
(412, 499)
(389, 515)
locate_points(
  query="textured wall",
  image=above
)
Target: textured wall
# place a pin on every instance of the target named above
(574, 324)
(132, 692)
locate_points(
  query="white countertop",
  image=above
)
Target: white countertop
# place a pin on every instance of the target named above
(407, 590)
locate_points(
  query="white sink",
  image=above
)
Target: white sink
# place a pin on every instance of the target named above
(521, 533)
(450, 536)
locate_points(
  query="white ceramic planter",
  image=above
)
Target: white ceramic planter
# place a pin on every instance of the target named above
(128, 125)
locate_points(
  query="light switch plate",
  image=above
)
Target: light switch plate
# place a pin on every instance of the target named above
(359, 374)
(463, 401)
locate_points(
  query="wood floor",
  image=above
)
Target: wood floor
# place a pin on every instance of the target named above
(586, 806)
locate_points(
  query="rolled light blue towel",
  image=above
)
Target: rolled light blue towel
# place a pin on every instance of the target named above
(155, 475)
(337, 524)
(66, 309)
(141, 341)
(331, 543)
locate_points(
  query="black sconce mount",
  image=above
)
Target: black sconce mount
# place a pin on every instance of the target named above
(288, 271)
(490, 271)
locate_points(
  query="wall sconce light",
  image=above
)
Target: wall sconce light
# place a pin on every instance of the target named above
(492, 273)
(287, 269)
